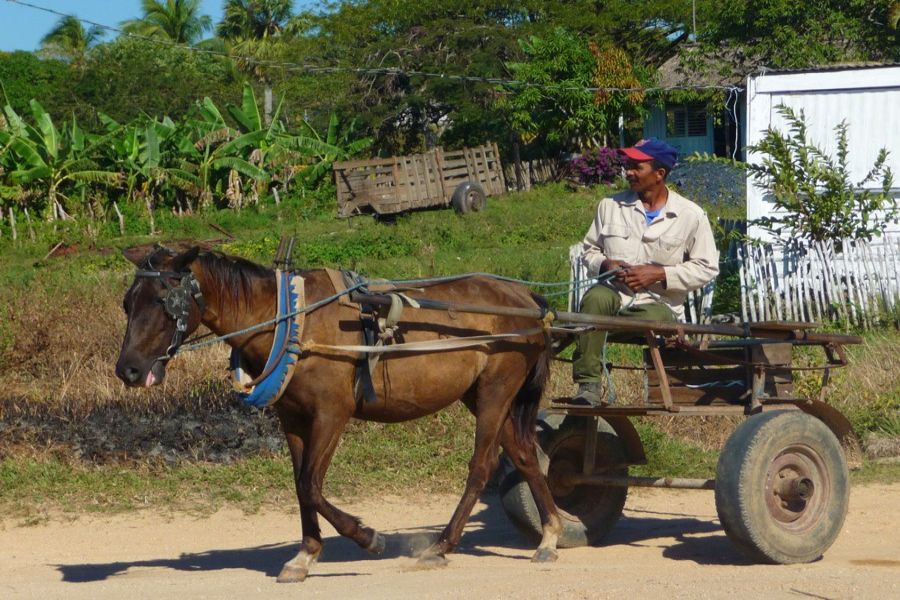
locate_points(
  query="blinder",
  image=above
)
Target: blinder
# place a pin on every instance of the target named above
(177, 302)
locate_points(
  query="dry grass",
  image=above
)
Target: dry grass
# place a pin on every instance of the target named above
(62, 353)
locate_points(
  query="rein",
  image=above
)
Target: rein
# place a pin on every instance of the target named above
(183, 302)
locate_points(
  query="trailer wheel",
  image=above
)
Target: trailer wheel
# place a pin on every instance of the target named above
(468, 197)
(782, 487)
(588, 512)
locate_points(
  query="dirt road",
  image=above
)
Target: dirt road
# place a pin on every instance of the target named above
(668, 545)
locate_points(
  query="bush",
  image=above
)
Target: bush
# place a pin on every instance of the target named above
(711, 181)
(811, 191)
(603, 165)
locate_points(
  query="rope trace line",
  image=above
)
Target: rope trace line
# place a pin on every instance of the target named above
(196, 344)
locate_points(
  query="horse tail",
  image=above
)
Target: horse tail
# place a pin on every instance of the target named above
(525, 406)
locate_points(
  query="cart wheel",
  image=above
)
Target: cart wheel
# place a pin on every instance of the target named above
(782, 487)
(468, 197)
(587, 512)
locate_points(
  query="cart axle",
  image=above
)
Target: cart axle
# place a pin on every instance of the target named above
(658, 482)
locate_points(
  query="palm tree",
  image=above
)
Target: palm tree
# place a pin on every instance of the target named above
(254, 19)
(255, 30)
(177, 20)
(69, 40)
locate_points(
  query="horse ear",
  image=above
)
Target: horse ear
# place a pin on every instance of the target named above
(137, 254)
(183, 261)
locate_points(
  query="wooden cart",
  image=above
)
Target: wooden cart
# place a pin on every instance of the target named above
(462, 179)
(781, 485)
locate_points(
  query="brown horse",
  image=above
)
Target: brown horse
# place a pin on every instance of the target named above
(500, 383)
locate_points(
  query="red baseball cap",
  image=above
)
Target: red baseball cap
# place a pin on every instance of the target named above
(652, 149)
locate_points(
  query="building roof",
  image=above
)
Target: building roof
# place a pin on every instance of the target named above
(848, 66)
(695, 66)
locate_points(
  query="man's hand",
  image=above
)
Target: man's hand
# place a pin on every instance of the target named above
(609, 265)
(641, 277)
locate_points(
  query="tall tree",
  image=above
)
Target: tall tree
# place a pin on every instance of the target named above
(69, 40)
(176, 20)
(791, 34)
(255, 30)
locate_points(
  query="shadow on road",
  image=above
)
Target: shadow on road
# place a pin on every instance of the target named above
(487, 529)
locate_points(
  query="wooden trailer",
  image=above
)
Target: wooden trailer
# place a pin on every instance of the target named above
(461, 178)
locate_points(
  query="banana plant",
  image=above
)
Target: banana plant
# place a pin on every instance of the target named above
(217, 150)
(51, 161)
(337, 144)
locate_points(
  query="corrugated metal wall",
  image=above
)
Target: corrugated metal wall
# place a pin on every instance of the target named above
(868, 99)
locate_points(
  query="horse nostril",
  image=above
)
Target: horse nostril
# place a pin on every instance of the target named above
(132, 375)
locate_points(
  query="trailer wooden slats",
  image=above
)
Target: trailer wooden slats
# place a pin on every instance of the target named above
(400, 183)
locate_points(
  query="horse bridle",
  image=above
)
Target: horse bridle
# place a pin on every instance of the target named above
(177, 302)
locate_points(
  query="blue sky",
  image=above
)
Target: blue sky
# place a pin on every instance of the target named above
(21, 27)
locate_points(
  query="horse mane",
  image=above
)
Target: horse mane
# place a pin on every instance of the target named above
(235, 277)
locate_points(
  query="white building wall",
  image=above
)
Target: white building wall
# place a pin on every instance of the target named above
(868, 99)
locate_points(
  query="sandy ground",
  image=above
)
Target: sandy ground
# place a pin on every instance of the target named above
(668, 545)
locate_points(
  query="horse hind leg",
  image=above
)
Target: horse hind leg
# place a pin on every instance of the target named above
(489, 417)
(523, 454)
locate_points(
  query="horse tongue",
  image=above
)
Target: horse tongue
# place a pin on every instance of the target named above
(151, 379)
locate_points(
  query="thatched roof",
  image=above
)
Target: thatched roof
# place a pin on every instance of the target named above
(694, 66)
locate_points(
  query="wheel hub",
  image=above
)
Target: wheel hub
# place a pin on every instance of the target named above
(797, 483)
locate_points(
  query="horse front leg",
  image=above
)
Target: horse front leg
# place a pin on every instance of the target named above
(296, 569)
(325, 434)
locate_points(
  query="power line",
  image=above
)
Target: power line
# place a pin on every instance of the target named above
(381, 71)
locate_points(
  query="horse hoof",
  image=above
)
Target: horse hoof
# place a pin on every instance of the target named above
(544, 555)
(432, 561)
(378, 543)
(292, 575)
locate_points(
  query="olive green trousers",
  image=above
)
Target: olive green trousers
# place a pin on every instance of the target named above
(587, 361)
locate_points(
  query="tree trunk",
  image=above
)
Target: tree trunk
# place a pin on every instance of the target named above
(28, 222)
(150, 212)
(267, 104)
(121, 218)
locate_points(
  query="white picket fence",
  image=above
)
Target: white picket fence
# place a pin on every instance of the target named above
(854, 282)
(698, 307)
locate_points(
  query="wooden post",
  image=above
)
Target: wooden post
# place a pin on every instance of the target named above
(501, 177)
(12, 224)
(745, 295)
(517, 161)
(660, 368)
(439, 165)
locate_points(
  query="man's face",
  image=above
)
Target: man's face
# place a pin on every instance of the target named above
(641, 175)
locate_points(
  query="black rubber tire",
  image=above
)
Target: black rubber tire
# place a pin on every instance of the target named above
(782, 487)
(468, 197)
(588, 512)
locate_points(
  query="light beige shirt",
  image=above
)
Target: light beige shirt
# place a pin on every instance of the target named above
(679, 239)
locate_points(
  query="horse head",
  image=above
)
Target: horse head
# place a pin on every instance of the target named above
(163, 306)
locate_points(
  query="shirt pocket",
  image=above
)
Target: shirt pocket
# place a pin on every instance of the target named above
(668, 250)
(616, 242)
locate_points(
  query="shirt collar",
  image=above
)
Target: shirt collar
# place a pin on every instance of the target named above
(674, 203)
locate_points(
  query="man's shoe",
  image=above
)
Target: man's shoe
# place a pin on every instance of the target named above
(589, 394)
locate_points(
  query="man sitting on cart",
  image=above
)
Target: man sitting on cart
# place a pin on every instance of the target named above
(659, 245)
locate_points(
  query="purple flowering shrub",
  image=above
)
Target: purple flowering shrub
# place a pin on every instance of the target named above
(601, 165)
